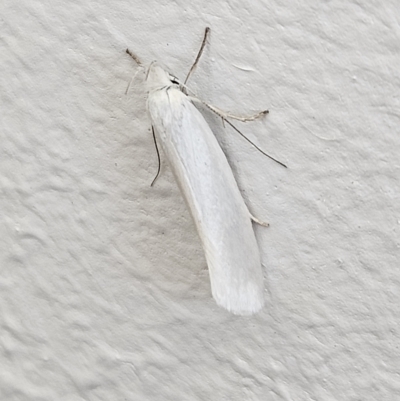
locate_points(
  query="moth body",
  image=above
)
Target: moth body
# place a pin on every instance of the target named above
(211, 192)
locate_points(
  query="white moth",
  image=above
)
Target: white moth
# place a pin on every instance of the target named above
(211, 192)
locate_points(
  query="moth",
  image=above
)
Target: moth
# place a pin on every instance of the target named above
(205, 178)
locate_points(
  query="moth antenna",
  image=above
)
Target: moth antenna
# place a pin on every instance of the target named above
(206, 32)
(139, 63)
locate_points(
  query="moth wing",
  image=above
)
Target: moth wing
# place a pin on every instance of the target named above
(216, 204)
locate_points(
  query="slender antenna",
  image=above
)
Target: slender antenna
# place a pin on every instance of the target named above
(134, 56)
(139, 63)
(158, 157)
(206, 32)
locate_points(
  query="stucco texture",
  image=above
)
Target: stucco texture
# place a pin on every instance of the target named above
(104, 289)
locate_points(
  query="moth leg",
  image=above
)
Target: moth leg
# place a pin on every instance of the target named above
(243, 119)
(195, 99)
(261, 223)
(158, 157)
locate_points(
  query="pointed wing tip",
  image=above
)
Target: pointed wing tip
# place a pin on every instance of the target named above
(243, 309)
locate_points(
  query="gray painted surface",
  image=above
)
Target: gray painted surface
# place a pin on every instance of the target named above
(104, 293)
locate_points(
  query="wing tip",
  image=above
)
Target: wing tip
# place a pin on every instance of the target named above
(243, 297)
(242, 306)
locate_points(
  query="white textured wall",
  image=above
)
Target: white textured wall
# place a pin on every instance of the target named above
(104, 293)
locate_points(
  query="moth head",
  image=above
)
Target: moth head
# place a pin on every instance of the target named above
(157, 77)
